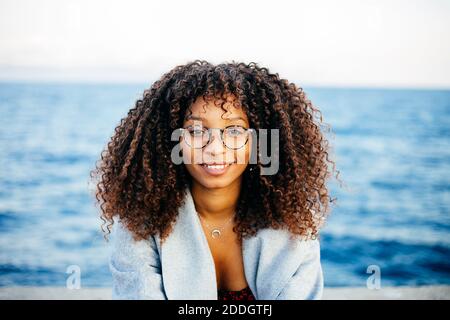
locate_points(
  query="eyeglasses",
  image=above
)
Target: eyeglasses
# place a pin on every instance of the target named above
(233, 137)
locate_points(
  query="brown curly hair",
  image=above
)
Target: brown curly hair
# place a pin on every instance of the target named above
(140, 184)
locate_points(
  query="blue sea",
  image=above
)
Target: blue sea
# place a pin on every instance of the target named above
(392, 148)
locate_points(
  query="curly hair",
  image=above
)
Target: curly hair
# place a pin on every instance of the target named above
(139, 184)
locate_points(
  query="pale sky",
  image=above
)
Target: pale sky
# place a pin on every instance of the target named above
(385, 43)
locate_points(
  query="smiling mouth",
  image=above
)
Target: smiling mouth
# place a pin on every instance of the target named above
(216, 165)
(216, 169)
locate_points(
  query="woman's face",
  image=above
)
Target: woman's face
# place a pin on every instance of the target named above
(215, 165)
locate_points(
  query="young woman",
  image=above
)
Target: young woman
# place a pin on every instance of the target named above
(194, 214)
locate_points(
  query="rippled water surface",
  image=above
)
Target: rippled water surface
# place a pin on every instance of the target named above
(391, 146)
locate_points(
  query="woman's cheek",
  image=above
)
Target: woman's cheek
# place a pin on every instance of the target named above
(190, 156)
(244, 156)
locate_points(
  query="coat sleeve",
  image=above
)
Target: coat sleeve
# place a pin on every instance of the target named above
(135, 267)
(307, 281)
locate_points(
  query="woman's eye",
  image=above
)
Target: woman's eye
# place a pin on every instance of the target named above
(235, 131)
(196, 132)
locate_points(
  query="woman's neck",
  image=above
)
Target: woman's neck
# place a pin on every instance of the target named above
(218, 204)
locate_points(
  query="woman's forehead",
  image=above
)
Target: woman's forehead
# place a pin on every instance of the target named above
(216, 109)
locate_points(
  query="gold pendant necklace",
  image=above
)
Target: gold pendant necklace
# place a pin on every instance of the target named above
(215, 232)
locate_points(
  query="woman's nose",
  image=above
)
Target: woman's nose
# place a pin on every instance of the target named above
(215, 145)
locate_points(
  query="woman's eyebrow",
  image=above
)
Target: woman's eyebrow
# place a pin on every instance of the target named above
(235, 118)
(191, 117)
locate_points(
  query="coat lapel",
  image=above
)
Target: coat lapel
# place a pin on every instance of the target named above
(187, 264)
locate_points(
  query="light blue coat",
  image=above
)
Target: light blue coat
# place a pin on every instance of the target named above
(276, 268)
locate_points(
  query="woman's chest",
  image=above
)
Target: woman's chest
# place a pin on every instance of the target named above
(228, 260)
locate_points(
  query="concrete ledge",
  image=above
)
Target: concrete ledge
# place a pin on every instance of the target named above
(440, 292)
(436, 292)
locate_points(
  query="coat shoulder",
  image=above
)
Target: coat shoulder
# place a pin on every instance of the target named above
(283, 237)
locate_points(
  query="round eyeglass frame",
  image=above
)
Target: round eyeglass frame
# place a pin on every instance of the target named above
(248, 130)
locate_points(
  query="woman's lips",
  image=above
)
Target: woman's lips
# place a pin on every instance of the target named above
(216, 169)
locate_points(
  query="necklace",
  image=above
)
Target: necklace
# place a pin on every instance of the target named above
(215, 232)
